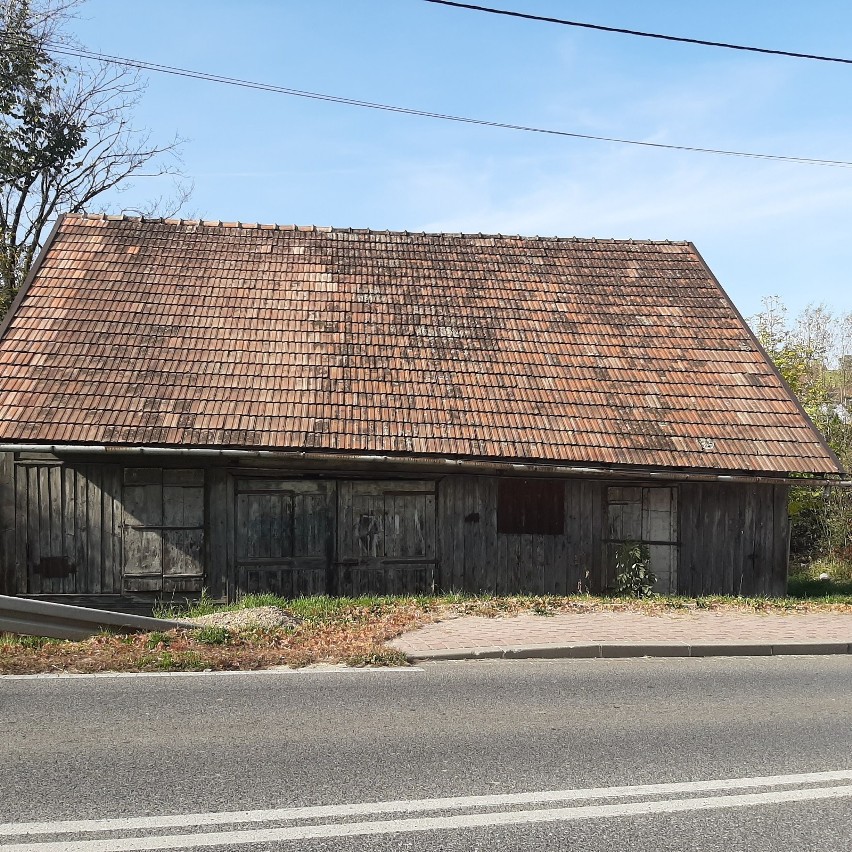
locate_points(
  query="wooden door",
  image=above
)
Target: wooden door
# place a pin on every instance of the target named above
(386, 538)
(647, 515)
(283, 536)
(163, 530)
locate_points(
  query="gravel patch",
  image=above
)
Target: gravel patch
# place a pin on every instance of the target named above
(265, 617)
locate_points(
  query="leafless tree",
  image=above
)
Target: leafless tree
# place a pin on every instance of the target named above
(66, 134)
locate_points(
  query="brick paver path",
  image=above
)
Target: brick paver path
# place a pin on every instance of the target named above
(694, 628)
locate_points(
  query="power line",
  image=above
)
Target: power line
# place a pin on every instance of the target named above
(641, 33)
(336, 99)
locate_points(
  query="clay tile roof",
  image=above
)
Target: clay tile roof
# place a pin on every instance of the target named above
(211, 334)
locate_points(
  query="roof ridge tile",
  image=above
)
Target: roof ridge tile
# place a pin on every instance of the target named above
(329, 229)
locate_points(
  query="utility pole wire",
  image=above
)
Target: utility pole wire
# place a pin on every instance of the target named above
(319, 96)
(601, 28)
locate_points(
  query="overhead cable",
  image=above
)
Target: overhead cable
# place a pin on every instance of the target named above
(641, 33)
(480, 122)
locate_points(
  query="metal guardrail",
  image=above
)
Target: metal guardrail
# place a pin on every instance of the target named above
(62, 621)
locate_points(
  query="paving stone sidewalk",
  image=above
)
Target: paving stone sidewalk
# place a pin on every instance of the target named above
(631, 634)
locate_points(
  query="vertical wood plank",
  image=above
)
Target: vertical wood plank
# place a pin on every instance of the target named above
(529, 574)
(43, 509)
(488, 536)
(781, 498)
(445, 551)
(7, 524)
(74, 582)
(34, 537)
(95, 524)
(763, 540)
(231, 578)
(116, 559)
(502, 579)
(22, 529)
(215, 559)
(85, 578)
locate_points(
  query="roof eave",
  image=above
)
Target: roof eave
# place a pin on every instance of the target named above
(441, 463)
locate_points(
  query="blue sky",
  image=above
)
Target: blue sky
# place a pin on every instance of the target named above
(764, 228)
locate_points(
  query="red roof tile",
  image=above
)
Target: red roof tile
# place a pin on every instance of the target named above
(569, 350)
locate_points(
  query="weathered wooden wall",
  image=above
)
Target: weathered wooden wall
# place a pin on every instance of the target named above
(67, 528)
(475, 557)
(734, 539)
(110, 529)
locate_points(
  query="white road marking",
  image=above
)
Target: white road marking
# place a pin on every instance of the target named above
(421, 824)
(201, 820)
(283, 670)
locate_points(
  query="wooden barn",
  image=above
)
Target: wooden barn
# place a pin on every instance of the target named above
(248, 408)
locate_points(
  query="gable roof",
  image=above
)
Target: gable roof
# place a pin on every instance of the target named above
(587, 352)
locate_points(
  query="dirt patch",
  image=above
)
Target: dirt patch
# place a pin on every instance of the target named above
(261, 617)
(332, 631)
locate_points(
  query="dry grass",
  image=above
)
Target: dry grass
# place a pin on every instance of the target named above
(332, 630)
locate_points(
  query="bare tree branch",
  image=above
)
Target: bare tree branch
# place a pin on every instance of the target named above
(66, 135)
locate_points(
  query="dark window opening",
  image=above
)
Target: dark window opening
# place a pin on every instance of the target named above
(530, 507)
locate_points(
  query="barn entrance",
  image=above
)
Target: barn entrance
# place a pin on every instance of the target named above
(647, 515)
(310, 537)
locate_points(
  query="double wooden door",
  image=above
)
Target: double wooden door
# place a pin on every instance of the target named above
(306, 537)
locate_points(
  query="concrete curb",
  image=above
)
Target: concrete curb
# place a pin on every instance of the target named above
(623, 650)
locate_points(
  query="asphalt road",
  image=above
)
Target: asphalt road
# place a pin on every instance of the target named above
(723, 737)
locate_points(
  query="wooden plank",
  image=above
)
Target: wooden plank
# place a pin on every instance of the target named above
(429, 530)
(56, 510)
(781, 500)
(746, 579)
(587, 546)
(241, 526)
(215, 558)
(152, 583)
(476, 570)
(674, 536)
(717, 555)
(183, 506)
(34, 537)
(282, 523)
(112, 495)
(762, 519)
(486, 537)
(42, 508)
(488, 531)
(94, 511)
(530, 560)
(183, 477)
(143, 476)
(7, 524)
(732, 538)
(75, 582)
(502, 578)
(230, 530)
(22, 529)
(85, 578)
(143, 504)
(689, 580)
(182, 552)
(445, 529)
(509, 562)
(254, 542)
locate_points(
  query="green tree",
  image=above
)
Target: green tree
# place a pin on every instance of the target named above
(66, 133)
(814, 354)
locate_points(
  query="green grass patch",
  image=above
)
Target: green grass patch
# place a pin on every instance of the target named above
(827, 579)
(158, 639)
(15, 640)
(212, 635)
